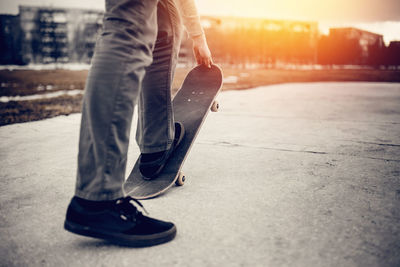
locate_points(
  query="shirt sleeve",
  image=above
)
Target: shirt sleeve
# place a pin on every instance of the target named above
(190, 17)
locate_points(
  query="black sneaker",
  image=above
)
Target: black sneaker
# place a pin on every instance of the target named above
(118, 222)
(151, 164)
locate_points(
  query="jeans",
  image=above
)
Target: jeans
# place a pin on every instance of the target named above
(134, 62)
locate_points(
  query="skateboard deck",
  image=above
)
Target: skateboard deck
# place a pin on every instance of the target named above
(191, 106)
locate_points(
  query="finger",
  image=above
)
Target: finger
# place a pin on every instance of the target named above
(197, 56)
(203, 62)
(210, 61)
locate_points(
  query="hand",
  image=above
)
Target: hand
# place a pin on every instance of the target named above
(201, 51)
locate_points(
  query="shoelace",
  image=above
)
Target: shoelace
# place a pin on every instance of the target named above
(128, 210)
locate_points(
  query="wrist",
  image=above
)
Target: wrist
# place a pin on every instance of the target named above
(199, 38)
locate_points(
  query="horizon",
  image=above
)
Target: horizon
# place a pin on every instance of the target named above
(385, 22)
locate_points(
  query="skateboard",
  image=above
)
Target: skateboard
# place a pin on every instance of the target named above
(190, 105)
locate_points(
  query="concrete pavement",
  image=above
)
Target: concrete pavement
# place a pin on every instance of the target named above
(284, 175)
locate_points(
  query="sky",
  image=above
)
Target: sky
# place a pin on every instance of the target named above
(380, 16)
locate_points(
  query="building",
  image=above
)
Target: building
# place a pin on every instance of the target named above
(10, 40)
(54, 35)
(261, 41)
(392, 54)
(351, 46)
(40, 35)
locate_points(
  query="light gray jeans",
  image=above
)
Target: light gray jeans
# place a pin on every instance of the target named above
(134, 62)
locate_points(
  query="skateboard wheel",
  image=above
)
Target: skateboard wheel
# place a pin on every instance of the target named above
(181, 179)
(215, 106)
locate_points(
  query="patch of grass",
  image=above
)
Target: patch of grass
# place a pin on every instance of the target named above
(28, 82)
(23, 111)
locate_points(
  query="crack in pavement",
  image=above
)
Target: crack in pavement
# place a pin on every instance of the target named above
(307, 118)
(371, 143)
(260, 147)
(228, 144)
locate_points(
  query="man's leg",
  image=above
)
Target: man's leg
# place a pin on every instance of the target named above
(155, 131)
(99, 208)
(123, 51)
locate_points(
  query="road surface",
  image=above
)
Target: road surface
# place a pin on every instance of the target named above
(284, 175)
